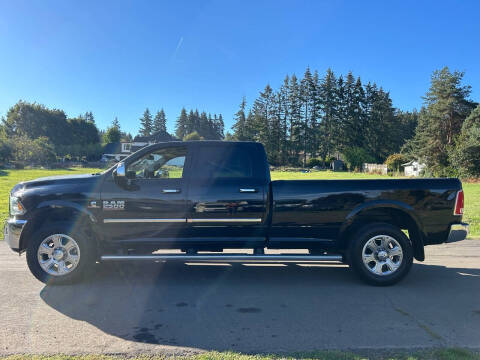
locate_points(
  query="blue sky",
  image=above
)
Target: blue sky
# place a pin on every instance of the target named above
(116, 58)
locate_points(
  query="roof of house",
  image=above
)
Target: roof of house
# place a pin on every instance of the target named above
(411, 162)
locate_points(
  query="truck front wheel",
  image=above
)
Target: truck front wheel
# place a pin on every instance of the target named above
(381, 254)
(57, 255)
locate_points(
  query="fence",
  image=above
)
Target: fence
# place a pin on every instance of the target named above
(375, 168)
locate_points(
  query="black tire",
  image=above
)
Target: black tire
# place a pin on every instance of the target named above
(85, 263)
(356, 251)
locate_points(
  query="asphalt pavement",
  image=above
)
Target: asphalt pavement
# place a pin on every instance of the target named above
(186, 308)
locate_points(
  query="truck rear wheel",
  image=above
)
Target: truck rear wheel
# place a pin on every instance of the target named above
(57, 255)
(381, 254)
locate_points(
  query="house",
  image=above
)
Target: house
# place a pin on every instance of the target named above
(413, 168)
(119, 151)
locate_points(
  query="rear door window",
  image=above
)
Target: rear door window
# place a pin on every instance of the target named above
(223, 162)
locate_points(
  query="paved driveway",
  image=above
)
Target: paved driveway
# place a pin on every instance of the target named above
(178, 308)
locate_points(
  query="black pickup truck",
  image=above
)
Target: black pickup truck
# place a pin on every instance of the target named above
(206, 197)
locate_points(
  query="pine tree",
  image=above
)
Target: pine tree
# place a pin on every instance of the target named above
(306, 100)
(250, 132)
(220, 128)
(89, 117)
(239, 131)
(350, 133)
(295, 119)
(315, 119)
(446, 105)
(181, 124)
(466, 155)
(329, 127)
(283, 113)
(146, 123)
(116, 123)
(159, 123)
(262, 112)
(204, 125)
(191, 122)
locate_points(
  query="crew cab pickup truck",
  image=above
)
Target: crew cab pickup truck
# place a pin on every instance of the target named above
(205, 198)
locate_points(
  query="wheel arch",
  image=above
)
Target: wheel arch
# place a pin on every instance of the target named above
(394, 213)
(59, 212)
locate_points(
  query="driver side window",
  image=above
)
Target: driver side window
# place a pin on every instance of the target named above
(164, 163)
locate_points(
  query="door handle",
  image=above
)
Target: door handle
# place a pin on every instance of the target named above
(246, 190)
(170, 191)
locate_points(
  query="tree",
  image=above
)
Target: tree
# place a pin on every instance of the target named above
(160, 122)
(466, 155)
(308, 98)
(219, 128)
(328, 128)
(324, 117)
(116, 123)
(262, 112)
(112, 135)
(395, 161)
(146, 123)
(355, 157)
(446, 105)
(381, 129)
(88, 117)
(34, 120)
(239, 127)
(181, 124)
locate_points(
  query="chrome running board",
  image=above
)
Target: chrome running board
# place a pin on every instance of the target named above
(303, 258)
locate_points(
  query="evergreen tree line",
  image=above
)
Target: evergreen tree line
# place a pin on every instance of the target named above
(196, 126)
(152, 125)
(326, 117)
(189, 125)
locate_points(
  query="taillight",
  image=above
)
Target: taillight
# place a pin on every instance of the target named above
(458, 210)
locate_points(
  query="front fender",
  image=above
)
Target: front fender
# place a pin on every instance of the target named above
(57, 211)
(66, 205)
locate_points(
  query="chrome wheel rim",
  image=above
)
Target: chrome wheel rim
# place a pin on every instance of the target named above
(58, 254)
(382, 255)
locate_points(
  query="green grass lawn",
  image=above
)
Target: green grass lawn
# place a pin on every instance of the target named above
(323, 175)
(8, 178)
(439, 354)
(472, 191)
(472, 207)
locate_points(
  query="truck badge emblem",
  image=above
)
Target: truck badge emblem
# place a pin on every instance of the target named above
(114, 205)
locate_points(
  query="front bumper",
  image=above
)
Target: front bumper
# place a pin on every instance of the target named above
(12, 232)
(458, 232)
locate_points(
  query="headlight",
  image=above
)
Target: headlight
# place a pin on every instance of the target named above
(16, 207)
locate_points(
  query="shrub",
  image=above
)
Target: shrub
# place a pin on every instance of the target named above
(6, 151)
(192, 136)
(355, 157)
(329, 159)
(395, 161)
(314, 162)
(27, 151)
